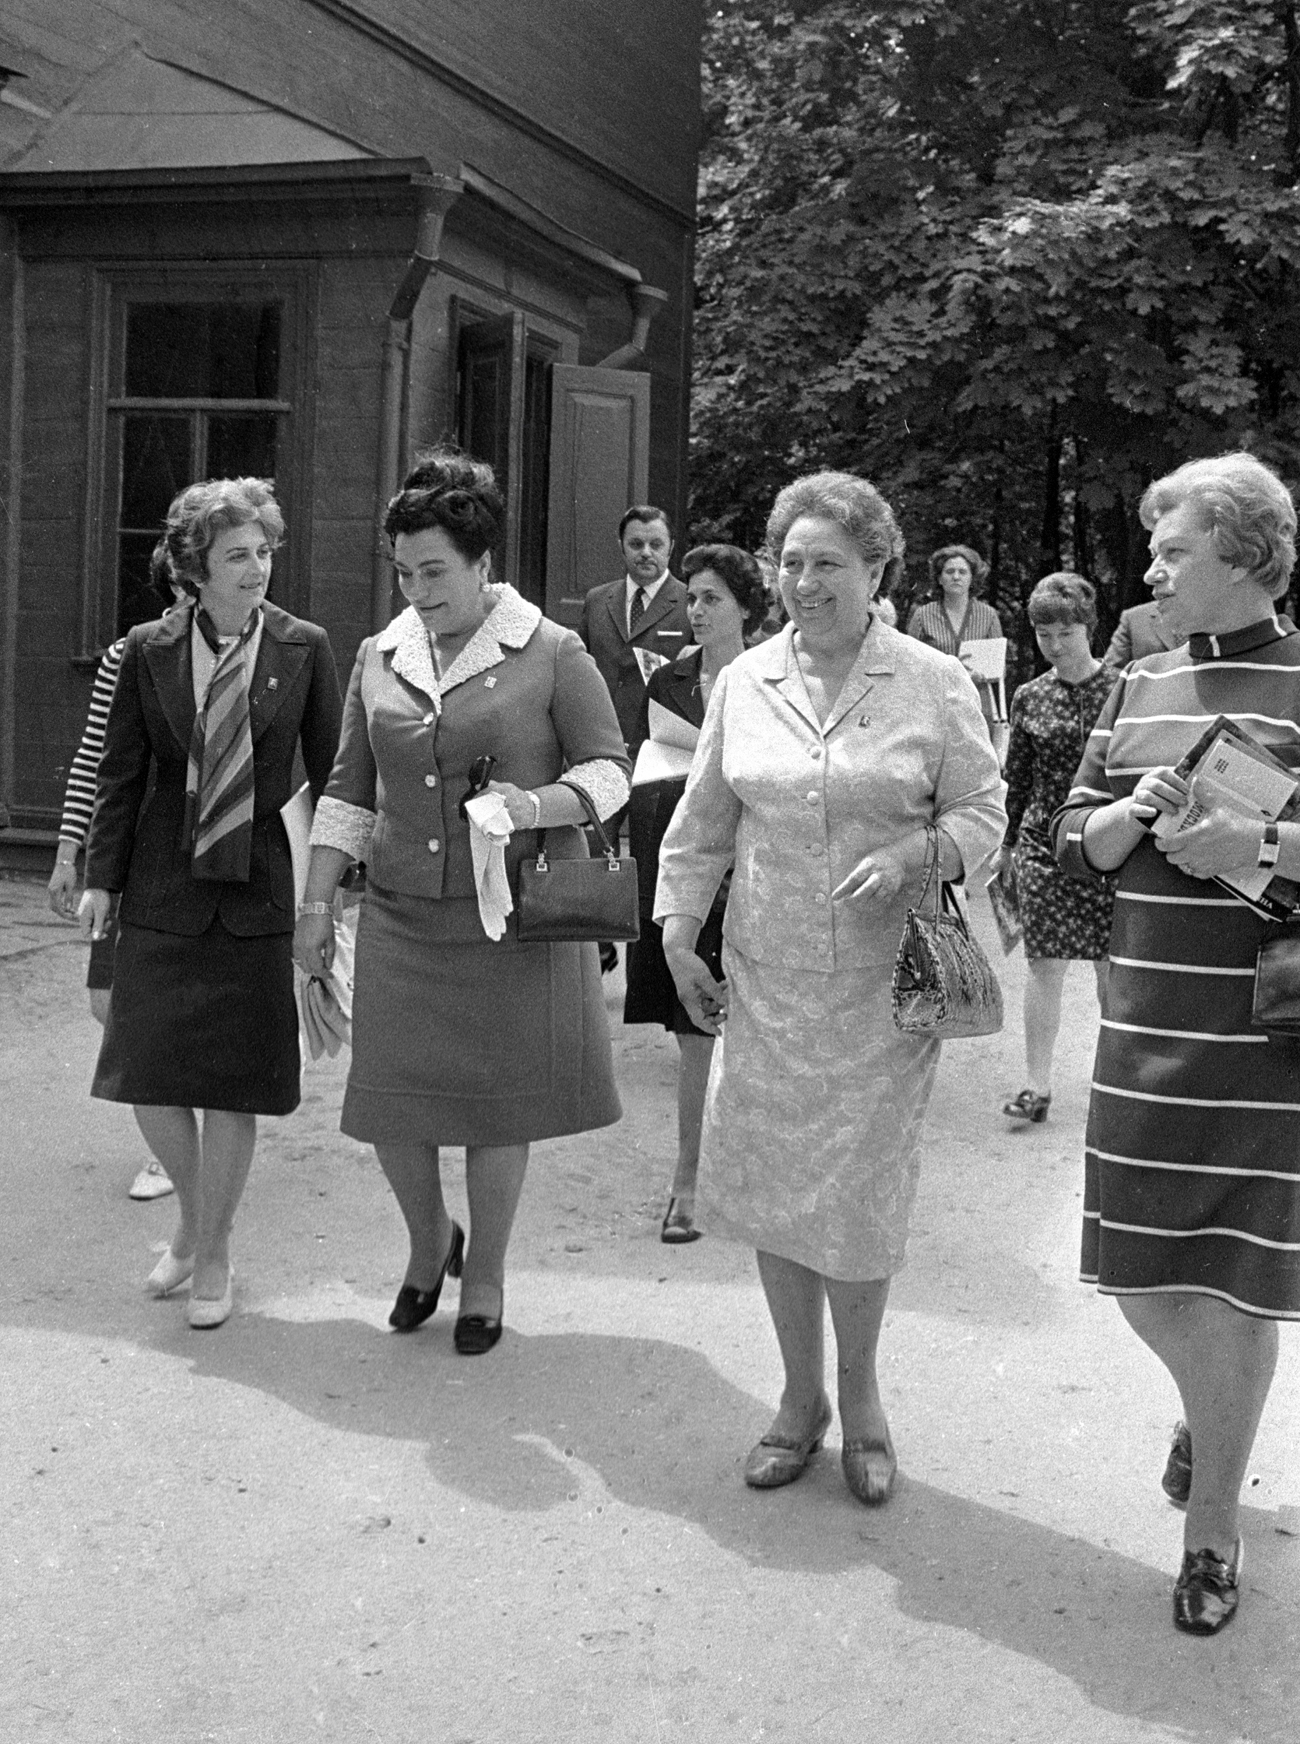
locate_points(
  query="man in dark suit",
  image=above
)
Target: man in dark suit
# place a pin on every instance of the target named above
(643, 614)
(1139, 632)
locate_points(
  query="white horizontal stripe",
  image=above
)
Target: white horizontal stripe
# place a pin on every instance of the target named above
(1183, 1035)
(1205, 720)
(1178, 901)
(1092, 1217)
(1190, 1290)
(1209, 666)
(1091, 792)
(1197, 1101)
(1101, 732)
(1194, 1234)
(1178, 968)
(1188, 1168)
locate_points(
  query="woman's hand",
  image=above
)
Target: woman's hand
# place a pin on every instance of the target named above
(876, 879)
(517, 802)
(1220, 841)
(704, 998)
(1159, 790)
(313, 945)
(62, 888)
(92, 914)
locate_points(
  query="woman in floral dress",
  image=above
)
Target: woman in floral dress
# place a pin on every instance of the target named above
(1064, 919)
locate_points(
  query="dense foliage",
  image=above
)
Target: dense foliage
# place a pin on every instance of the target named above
(1008, 258)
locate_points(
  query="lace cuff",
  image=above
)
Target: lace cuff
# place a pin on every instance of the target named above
(340, 825)
(604, 782)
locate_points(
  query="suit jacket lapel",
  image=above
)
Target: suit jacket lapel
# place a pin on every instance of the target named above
(280, 657)
(616, 604)
(658, 607)
(167, 658)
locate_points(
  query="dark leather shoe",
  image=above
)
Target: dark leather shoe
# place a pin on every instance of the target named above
(869, 1469)
(777, 1460)
(1177, 1480)
(475, 1334)
(1028, 1106)
(413, 1307)
(1206, 1593)
(678, 1225)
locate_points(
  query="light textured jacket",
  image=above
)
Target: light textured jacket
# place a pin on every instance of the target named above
(798, 805)
(523, 689)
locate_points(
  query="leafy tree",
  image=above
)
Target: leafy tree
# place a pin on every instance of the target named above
(1009, 258)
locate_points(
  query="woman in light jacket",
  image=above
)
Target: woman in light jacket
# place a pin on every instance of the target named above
(458, 1039)
(832, 759)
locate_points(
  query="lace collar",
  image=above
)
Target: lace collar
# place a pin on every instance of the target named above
(510, 624)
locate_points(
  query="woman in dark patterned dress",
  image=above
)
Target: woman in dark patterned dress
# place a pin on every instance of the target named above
(1064, 921)
(1192, 1186)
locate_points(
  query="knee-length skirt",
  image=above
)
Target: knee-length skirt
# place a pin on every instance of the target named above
(472, 1043)
(206, 1022)
(1062, 916)
(812, 1124)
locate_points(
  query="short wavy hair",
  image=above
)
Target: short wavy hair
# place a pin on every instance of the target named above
(447, 489)
(741, 574)
(1063, 598)
(1245, 506)
(856, 505)
(201, 511)
(979, 569)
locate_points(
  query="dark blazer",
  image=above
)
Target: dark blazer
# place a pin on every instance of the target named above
(1139, 632)
(135, 844)
(664, 630)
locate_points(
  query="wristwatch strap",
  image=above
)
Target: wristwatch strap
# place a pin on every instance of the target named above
(1269, 846)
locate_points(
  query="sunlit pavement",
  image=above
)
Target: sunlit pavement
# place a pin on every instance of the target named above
(302, 1527)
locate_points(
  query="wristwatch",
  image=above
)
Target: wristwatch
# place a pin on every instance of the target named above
(1269, 846)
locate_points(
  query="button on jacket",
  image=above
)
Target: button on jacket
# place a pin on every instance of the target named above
(524, 691)
(798, 805)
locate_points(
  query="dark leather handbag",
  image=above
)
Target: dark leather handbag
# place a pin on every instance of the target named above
(578, 901)
(1276, 1005)
(944, 985)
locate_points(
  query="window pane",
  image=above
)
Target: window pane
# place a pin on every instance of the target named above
(222, 351)
(156, 463)
(242, 445)
(136, 600)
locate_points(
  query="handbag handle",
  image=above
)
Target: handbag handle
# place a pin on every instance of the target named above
(933, 870)
(593, 818)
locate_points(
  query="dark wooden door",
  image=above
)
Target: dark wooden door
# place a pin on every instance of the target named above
(599, 464)
(491, 411)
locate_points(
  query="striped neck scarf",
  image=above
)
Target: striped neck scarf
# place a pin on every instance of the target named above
(219, 780)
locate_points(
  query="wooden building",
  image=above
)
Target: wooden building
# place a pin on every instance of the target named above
(301, 238)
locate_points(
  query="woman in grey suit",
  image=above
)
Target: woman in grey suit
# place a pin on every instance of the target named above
(211, 706)
(834, 760)
(459, 1038)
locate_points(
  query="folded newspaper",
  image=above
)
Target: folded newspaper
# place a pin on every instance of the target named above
(1232, 769)
(666, 755)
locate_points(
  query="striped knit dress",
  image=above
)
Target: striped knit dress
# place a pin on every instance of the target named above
(1192, 1163)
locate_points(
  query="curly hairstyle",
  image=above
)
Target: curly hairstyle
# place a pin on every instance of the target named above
(1063, 598)
(740, 574)
(857, 506)
(201, 511)
(1244, 504)
(979, 569)
(447, 489)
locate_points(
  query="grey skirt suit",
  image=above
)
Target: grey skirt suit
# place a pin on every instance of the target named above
(457, 1039)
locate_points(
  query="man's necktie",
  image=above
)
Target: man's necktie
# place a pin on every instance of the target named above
(638, 610)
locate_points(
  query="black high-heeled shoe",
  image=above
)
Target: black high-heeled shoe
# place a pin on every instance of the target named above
(413, 1307)
(1177, 1479)
(475, 1334)
(1028, 1106)
(1207, 1591)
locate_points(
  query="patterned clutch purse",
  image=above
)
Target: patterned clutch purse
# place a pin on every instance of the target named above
(944, 985)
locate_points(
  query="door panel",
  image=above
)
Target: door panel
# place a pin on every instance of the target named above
(600, 463)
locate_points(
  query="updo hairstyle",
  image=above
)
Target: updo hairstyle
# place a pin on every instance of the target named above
(201, 511)
(1246, 506)
(447, 489)
(979, 570)
(1063, 598)
(740, 572)
(858, 507)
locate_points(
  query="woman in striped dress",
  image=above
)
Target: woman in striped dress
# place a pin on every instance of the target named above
(1192, 1194)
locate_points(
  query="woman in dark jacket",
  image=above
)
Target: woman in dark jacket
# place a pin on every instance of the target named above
(211, 706)
(726, 601)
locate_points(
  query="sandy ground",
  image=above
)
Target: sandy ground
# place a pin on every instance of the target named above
(300, 1527)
